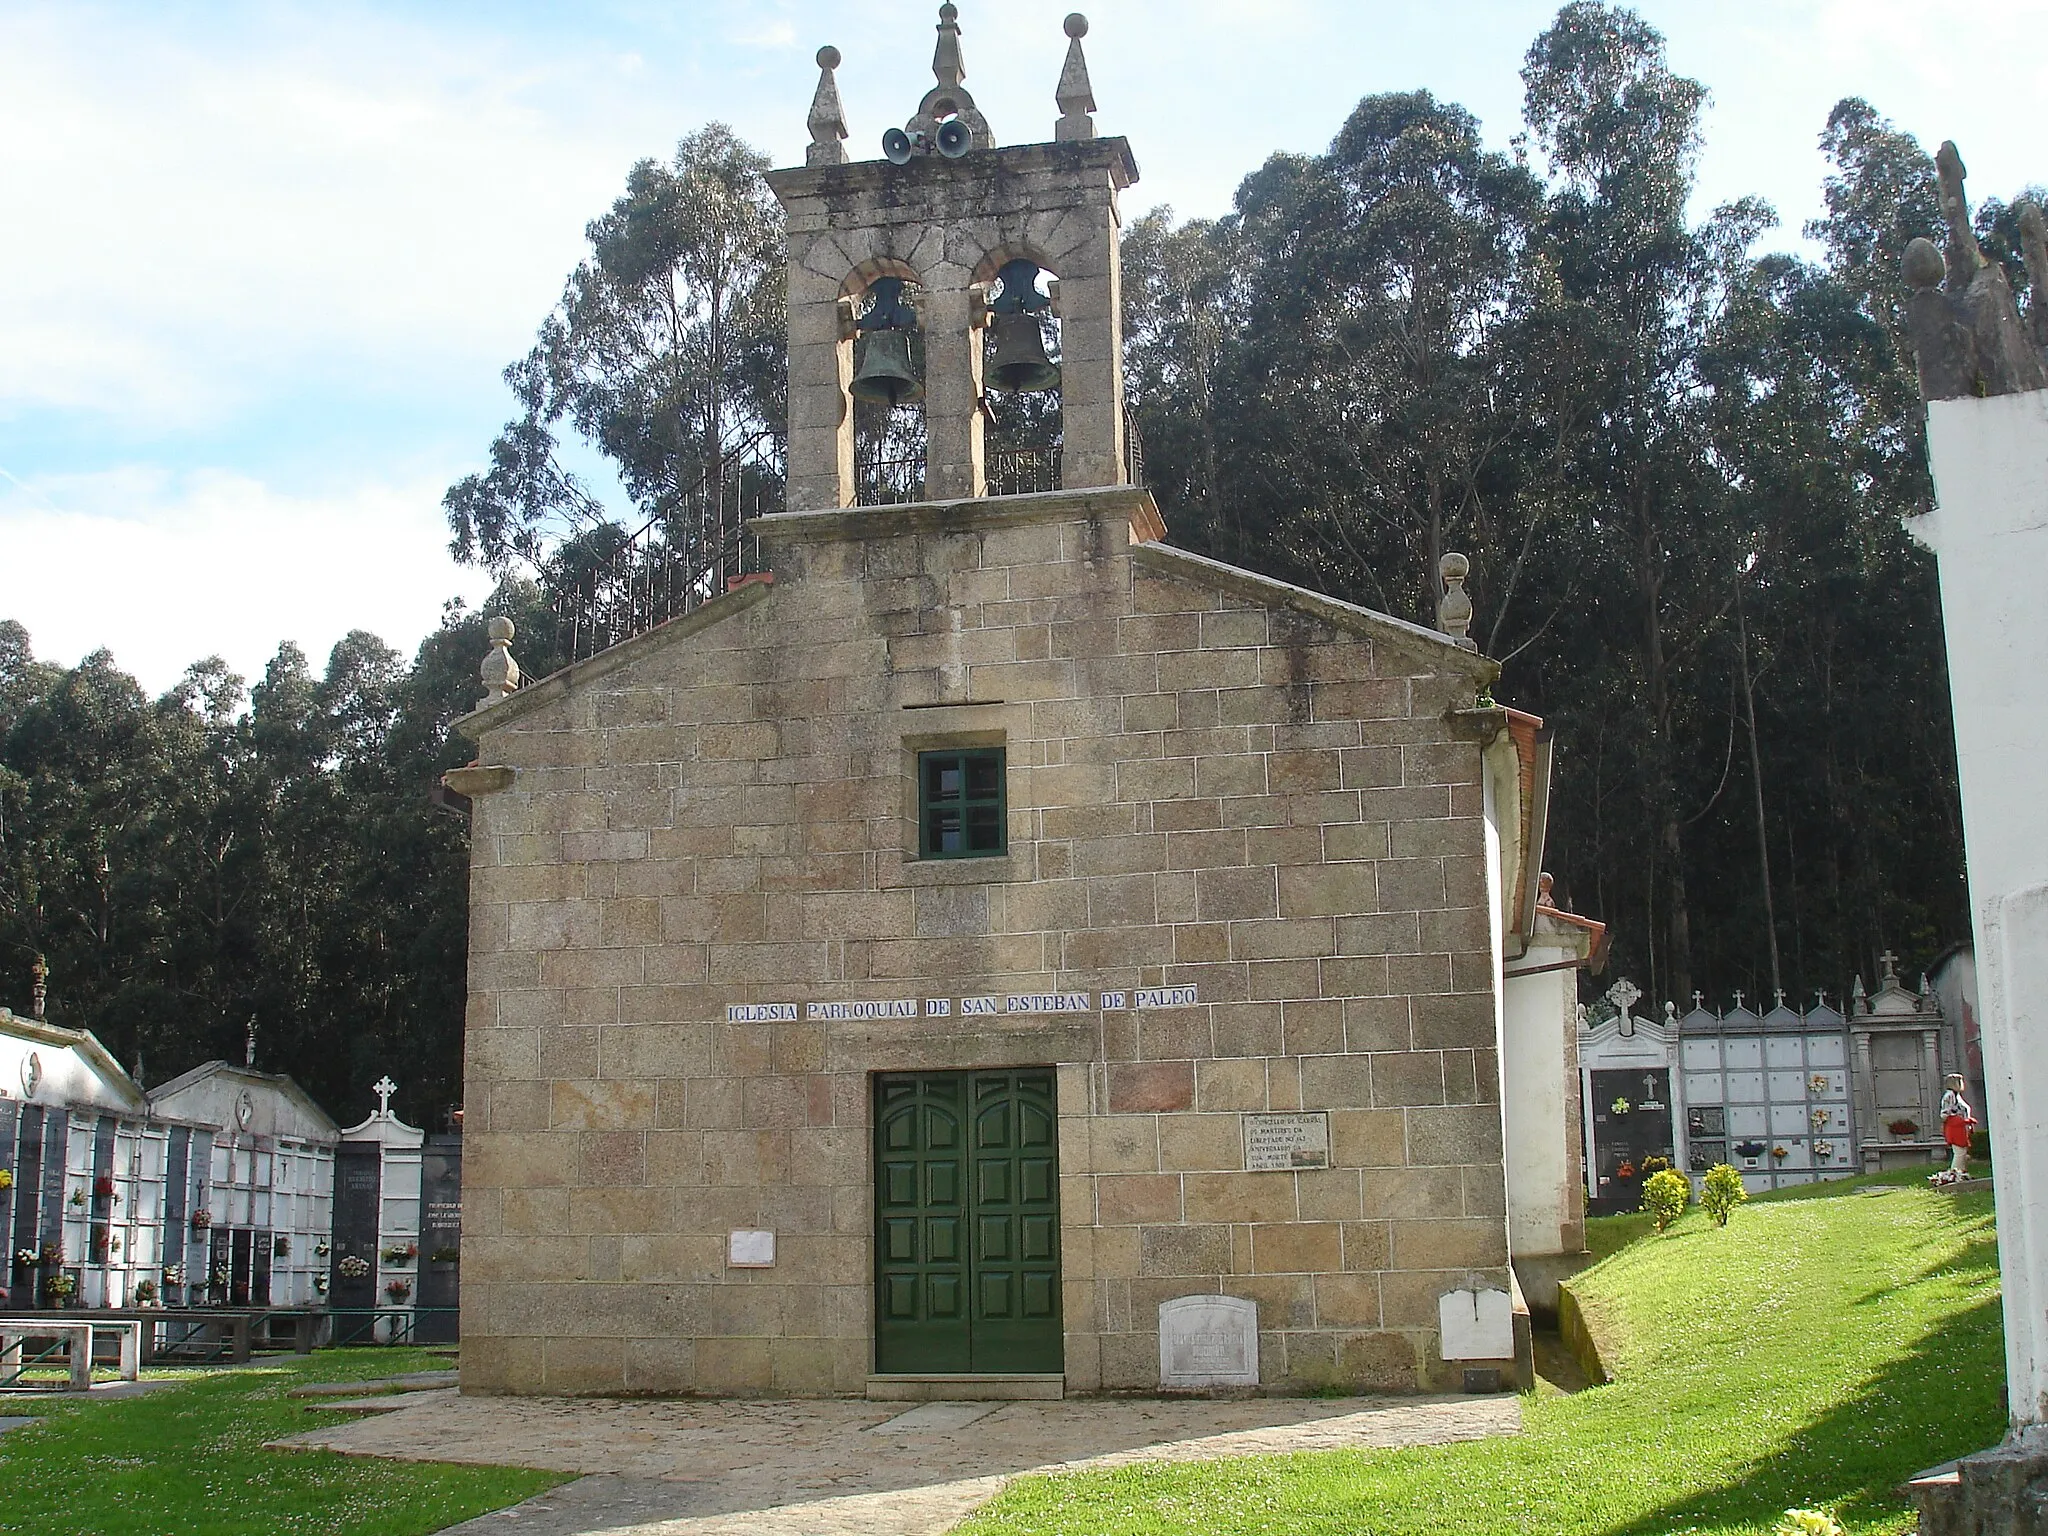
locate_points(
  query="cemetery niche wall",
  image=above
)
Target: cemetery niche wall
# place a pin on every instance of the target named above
(215, 1189)
(1787, 1097)
(912, 958)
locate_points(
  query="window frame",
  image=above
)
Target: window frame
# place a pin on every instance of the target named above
(926, 803)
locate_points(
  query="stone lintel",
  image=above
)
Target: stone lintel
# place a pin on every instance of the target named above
(847, 523)
(502, 712)
(1438, 649)
(866, 178)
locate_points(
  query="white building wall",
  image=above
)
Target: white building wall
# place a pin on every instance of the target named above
(1539, 1072)
(1990, 534)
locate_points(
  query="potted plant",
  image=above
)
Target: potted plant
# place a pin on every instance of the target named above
(25, 1258)
(399, 1291)
(174, 1274)
(320, 1285)
(6, 1178)
(353, 1266)
(103, 1186)
(444, 1256)
(1903, 1128)
(401, 1253)
(1779, 1154)
(145, 1293)
(281, 1247)
(58, 1289)
(201, 1219)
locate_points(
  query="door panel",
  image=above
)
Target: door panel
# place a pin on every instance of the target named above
(967, 1215)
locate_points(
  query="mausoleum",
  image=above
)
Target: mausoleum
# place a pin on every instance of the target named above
(965, 945)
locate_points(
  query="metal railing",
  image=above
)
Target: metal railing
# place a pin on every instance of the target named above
(1021, 471)
(885, 482)
(359, 1325)
(674, 562)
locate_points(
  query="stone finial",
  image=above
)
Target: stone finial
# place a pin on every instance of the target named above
(38, 987)
(1965, 256)
(1966, 334)
(949, 98)
(1454, 608)
(1075, 96)
(500, 671)
(947, 65)
(1546, 886)
(384, 1088)
(827, 121)
(2034, 250)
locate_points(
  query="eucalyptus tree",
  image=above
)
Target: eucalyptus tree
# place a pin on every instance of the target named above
(665, 349)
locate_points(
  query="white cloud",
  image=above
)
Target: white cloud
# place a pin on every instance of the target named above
(164, 569)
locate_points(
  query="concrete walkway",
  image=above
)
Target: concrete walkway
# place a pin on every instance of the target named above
(849, 1468)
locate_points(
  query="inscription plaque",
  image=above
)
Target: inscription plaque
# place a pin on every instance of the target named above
(1276, 1142)
(1208, 1341)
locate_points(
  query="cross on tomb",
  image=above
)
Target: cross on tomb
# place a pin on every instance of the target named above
(384, 1088)
(1699, 998)
(1821, 996)
(1779, 993)
(1890, 962)
(1738, 997)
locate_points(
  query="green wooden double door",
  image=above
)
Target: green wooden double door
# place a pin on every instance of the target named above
(967, 1222)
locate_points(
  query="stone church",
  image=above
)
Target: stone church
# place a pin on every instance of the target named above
(971, 947)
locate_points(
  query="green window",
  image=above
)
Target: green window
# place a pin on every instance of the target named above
(960, 804)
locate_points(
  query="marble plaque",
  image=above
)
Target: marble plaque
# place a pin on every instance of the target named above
(1477, 1325)
(1275, 1142)
(1208, 1341)
(751, 1250)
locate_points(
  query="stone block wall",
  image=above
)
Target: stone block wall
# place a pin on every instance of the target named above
(1213, 781)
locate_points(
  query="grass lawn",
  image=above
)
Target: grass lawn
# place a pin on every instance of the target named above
(1822, 1348)
(189, 1459)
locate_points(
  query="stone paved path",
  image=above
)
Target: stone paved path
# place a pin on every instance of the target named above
(849, 1468)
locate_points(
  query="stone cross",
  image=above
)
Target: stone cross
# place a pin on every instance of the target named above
(1738, 997)
(827, 121)
(1779, 993)
(1624, 994)
(1699, 998)
(249, 1045)
(38, 987)
(1889, 964)
(1075, 96)
(384, 1088)
(1454, 609)
(1820, 995)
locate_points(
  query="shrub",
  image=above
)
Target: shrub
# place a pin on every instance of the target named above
(1980, 1145)
(1665, 1195)
(1807, 1522)
(1721, 1191)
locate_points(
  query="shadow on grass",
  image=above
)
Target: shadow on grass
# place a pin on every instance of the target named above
(1942, 1399)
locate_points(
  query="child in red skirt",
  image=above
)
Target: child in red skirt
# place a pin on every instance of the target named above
(1957, 1121)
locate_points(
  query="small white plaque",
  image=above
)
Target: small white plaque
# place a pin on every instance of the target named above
(760, 1013)
(1276, 1142)
(1208, 1341)
(751, 1250)
(1167, 997)
(1476, 1325)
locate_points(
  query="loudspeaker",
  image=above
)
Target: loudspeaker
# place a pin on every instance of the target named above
(954, 139)
(896, 146)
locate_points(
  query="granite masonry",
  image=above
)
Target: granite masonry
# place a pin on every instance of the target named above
(771, 1092)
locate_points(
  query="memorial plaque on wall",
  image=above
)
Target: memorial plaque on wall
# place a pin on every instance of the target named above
(1208, 1341)
(440, 1240)
(358, 1175)
(1276, 1142)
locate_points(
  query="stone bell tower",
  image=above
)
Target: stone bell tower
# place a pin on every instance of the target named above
(946, 212)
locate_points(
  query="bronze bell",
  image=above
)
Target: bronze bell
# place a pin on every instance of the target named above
(881, 357)
(1020, 364)
(882, 372)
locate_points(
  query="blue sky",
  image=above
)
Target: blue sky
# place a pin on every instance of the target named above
(262, 263)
